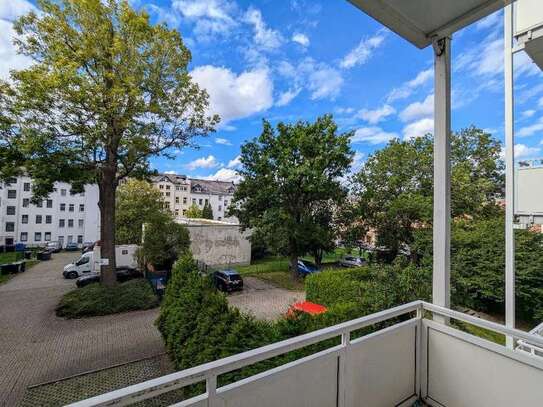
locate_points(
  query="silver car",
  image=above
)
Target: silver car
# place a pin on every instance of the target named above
(352, 261)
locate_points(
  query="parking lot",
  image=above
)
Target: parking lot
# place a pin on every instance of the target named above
(263, 300)
(38, 347)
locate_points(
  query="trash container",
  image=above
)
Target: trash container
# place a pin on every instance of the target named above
(28, 254)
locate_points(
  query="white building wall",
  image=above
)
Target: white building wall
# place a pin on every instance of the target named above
(60, 217)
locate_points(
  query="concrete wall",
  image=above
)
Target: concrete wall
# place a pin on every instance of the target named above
(219, 244)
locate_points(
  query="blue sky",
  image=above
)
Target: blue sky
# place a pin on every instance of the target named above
(294, 60)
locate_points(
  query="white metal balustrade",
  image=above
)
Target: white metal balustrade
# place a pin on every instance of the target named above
(394, 366)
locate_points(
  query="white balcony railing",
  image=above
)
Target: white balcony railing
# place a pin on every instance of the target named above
(393, 366)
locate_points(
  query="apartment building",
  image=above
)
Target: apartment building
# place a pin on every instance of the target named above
(180, 192)
(62, 216)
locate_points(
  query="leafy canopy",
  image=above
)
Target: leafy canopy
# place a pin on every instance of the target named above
(289, 177)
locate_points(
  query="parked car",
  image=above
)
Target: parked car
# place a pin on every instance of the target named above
(122, 276)
(54, 247)
(227, 280)
(71, 247)
(305, 268)
(125, 258)
(352, 261)
(87, 247)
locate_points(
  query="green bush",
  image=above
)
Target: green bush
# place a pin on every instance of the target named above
(335, 286)
(96, 299)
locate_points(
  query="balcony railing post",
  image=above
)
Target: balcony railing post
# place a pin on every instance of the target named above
(342, 369)
(211, 389)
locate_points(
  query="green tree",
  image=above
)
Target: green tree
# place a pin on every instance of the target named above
(207, 211)
(194, 212)
(394, 188)
(164, 242)
(289, 173)
(137, 203)
(107, 91)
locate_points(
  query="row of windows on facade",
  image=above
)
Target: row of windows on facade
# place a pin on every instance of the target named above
(200, 201)
(177, 187)
(26, 187)
(47, 237)
(10, 226)
(48, 204)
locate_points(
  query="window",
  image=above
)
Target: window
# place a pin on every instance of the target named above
(178, 188)
(71, 207)
(167, 205)
(200, 201)
(48, 219)
(80, 223)
(177, 199)
(220, 197)
(49, 203)
(167, 187)
(81, 207)
(24, 219)
(167, 194)
(38, 218)
(79, 239)
(220, 208)
(63, 192)
(39, 204)
(26, 186)
(63, 207)
(70, 240)
(10, 181)
(10, 210)
(24, 236)
(177, 212)
(61, 223)
(47, 236)
(10, 226)
(70, 223)
(184, 200)
(37, 237)
(184, 211)
(193, 200)
(82, 260)
(225, 203)
(26, 202)
(161, 186)
(207, 201)
(12, 193)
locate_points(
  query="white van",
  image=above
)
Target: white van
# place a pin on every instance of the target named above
(90, 262)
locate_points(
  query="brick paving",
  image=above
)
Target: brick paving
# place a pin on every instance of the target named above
(38, 347)
(264, 300)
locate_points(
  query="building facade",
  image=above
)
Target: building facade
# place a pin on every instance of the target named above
(180, 192)
(62, 216)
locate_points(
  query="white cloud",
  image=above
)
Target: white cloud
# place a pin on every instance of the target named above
(363, 51)
(531, 130)
(358, 160)
(12, 9)
(344, 110)
(418, 110)
(377, 115)
(265, 37)
(301, 39)
(9, 59)
(223, 141)
(372, 135)
(170, 172)
(524, 151)
(210, 16)
(225, 174)
(286, 97)
(234, 96)
(540, 103)
(409, 87)
(236, 162)
(491, 21)
(322, 80)
(527, 113)
(418, 128)
(204, 162)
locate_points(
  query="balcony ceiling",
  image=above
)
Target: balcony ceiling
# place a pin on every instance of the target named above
(419, 21)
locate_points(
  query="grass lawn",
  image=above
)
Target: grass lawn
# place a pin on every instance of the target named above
(267, 265)
(282, 279)
(10, 257)
(95, 299)
(481, 332)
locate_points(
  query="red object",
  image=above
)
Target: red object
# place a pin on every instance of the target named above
(308, 307)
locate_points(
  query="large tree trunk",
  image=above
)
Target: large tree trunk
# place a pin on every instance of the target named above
(293, 265)
(108, 187)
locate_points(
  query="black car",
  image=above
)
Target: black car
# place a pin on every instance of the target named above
(122, 276)
(71, 247)
(227, 280)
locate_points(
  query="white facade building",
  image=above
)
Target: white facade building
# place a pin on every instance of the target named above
(180, 192)
(62, 216)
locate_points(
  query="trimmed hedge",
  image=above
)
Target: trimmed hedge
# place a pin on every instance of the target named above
(96, 299)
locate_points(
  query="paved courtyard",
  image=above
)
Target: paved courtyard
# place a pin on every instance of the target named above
(37, 347)
(264, 300)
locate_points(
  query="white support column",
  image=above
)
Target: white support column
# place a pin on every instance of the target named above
(509, 174)
(441, 293)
